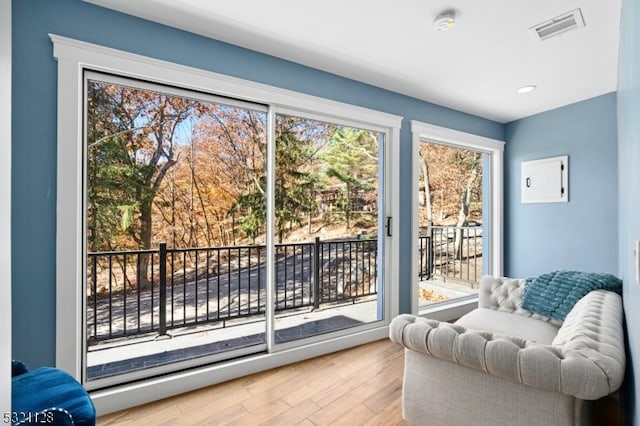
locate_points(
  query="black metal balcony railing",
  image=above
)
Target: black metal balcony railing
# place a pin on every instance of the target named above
(456, 252)
(151, 291)
(425, 257)
(137, 292)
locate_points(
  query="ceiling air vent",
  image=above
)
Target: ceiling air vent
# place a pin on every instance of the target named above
(558, 25)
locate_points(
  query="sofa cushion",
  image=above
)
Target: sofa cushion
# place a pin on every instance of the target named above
(506, 323)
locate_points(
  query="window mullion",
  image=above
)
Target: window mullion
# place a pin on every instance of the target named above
(270, 231)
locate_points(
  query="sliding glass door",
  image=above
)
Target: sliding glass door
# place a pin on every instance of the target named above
(217, 228)
(328, 242)
(175, 210)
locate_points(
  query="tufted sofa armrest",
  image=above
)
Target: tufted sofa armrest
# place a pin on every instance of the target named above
(505, 294)
(594, 330)
(588, 369)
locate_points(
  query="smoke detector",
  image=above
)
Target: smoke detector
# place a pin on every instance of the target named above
(444, 21)
(558, 25)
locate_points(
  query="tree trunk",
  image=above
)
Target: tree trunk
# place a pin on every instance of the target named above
(465, 201)
(145, 242)
(347, 207)
(427, 192)
(207, 231)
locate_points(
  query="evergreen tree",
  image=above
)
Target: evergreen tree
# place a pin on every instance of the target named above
(351, 158)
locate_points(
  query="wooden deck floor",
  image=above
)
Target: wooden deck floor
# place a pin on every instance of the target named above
(359, 386)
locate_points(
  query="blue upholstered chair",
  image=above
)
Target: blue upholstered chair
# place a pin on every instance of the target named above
(48, 396)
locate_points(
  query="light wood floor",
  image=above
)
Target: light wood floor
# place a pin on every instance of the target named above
(359, 386)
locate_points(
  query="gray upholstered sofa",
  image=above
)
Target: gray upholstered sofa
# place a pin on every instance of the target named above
(503, 365)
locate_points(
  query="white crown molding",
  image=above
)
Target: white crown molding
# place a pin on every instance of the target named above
(101, 58)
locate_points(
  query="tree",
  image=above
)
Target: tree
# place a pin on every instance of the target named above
(351, 157)
(298, 141)
(296, 145)
(448, 170)
(450, 178)
(131, 147)
(465, 198)
(424, 172)
(231, 155)
(218, 168)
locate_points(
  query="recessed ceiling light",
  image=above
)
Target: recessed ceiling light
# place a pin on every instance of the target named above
(526, 89)
(444, 21)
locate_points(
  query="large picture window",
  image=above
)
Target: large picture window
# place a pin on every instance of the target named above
(457, 226)
(211, 224)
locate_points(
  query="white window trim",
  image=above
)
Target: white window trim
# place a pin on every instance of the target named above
(495, 148)
(73, 57)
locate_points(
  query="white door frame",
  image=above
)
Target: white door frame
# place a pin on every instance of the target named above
(73, 57)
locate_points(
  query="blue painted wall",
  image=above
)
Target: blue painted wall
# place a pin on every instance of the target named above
(34, 135)
(629, 191)
(581, 234)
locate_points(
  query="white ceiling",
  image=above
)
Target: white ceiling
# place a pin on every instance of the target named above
(476, 67)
